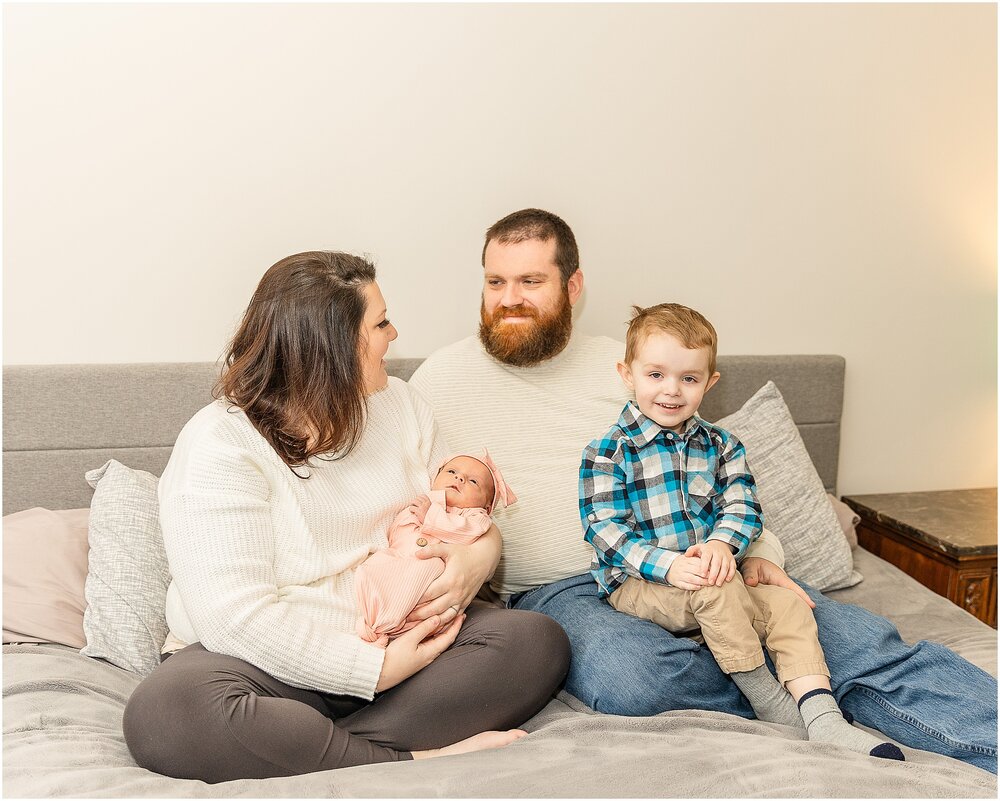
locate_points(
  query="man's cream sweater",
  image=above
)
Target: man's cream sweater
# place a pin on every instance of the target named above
(536, 421)
(262, 561)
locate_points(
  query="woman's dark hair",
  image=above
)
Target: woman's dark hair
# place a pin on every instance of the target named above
(294, 364)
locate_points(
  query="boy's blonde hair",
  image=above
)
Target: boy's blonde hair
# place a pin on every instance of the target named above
(691, 328)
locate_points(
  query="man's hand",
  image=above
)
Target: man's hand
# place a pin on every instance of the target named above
(685, 572)
(415, 650)
(420, 506)
(760, 571)
(718, 565)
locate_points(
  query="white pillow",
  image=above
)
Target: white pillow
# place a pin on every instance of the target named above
(791, 493)
(127, 577)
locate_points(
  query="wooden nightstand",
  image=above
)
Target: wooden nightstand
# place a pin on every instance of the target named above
(946, 540)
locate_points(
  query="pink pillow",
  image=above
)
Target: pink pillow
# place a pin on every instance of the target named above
(44, 571)
(847, 518)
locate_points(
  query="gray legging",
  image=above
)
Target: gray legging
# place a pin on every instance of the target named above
(203, 716)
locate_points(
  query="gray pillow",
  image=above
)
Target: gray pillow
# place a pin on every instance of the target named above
(127, 577)
(791, 492)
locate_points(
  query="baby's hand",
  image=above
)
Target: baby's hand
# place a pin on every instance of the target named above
(718, 564)
(419, 507)
(685, 573)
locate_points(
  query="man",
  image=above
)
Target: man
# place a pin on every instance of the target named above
(534, 393)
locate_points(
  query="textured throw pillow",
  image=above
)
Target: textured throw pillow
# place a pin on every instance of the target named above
(127, 581)
(44, 569)
(791, 492)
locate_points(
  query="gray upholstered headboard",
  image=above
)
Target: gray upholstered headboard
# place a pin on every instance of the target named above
(61, 420)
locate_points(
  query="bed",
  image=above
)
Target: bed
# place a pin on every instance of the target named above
(62, 710)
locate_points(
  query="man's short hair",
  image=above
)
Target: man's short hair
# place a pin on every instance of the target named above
(691, 328)
(537, 224)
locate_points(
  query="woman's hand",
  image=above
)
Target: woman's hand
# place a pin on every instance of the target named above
(466, 569)
(760, 571)
(416, 649)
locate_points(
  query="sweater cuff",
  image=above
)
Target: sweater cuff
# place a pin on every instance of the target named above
(367, 669)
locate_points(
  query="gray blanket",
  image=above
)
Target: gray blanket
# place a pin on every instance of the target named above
(62, 737)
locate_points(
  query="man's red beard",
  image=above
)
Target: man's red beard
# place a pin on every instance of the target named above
(528, 343)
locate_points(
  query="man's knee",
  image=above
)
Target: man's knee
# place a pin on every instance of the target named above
(639, 669)
(845, 626)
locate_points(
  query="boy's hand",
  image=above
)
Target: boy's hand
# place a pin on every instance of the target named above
(419, 507)
(718, 565)
(685, 572)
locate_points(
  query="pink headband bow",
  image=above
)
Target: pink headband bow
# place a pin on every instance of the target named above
(504, 494)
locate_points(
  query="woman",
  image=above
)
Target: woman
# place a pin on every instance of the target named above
(273, 494)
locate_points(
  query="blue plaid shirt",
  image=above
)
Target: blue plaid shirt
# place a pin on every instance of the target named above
(647, 494)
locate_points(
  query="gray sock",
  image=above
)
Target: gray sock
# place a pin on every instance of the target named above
(770, 701)
(825, 723)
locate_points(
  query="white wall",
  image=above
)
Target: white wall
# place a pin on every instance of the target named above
(816, 179)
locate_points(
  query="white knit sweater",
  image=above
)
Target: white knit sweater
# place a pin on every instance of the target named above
(536, 421)
(262, 561)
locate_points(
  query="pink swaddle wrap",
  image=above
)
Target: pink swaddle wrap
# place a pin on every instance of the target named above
(391, 581)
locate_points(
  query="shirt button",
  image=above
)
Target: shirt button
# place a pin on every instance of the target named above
(592, 517)
(421, 542)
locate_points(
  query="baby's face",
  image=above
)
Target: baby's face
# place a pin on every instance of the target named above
(467, 483)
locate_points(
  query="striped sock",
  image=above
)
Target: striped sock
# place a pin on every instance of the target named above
(825, 723)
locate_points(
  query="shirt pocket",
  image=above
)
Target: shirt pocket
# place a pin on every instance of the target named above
(701, 492)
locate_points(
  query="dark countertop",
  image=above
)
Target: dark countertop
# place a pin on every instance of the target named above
(957, 522)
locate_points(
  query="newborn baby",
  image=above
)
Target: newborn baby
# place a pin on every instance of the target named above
(391, 581)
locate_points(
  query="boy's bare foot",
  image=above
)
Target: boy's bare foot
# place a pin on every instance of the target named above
(478, 742)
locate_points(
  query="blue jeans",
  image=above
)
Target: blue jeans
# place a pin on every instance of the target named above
(924, 696)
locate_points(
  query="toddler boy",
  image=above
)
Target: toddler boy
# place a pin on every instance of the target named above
(670, 507)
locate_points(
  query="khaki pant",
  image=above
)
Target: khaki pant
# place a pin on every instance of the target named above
(734, 619)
